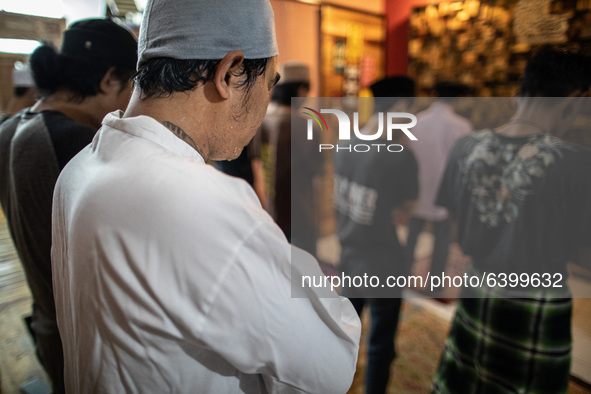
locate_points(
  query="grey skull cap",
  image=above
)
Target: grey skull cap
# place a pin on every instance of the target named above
(207, 29)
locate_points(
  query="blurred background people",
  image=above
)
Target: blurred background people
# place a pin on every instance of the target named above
(78, 86)
(290, 164)
(522, 200)
(368, 188)
(23, 92)
(437, 130)
(247, 166)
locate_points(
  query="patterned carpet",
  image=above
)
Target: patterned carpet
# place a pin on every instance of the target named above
(421, 337)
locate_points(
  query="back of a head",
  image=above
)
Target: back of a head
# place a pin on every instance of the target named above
(396, 86)
(182, 41)
(393, 87)
(294, 75)
(556, 73)
(451, 89)
(89, 48)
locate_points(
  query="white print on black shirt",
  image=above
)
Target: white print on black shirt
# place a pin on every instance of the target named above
(356, 201)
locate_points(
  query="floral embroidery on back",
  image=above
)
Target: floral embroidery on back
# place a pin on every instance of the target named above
(501, 171)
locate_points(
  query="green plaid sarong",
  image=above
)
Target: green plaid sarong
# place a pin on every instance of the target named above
(504, 345)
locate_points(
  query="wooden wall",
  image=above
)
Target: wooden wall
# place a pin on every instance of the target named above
(23, 27)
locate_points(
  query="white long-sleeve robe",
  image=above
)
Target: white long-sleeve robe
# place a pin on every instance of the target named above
(169, 277)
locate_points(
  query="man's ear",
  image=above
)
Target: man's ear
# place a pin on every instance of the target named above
(225, 71)
(109, 81)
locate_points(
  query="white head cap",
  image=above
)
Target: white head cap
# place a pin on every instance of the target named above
(207, 29)
(294, 71)
(22, 77)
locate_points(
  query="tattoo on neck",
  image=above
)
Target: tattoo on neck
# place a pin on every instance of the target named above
(182, 135)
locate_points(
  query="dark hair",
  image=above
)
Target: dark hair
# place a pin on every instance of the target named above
(162, 76)
(79, 76)
(391, 87)
(396, 86)
(556, 73)
(282, 94)
(451, 89)
(20, 91)
(90, 47)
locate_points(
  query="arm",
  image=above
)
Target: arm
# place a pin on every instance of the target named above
(582, 258)
(297, 344)
(408, 189)
(401, 213)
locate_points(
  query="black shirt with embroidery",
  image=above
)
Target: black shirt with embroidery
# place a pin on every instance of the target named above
(523, 205)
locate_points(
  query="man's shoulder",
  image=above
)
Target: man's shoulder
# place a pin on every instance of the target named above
(8, 129)
(466, 143)
(442, 121)
(454, 122)
(460, 120)
(206, 198)
(186, 195)
(478, 136)
(33, 127)
(58, 122)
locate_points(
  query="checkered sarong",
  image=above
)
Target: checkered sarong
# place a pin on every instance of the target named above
(504, 345)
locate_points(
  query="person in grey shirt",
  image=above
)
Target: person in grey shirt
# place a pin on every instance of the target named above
(78, 86)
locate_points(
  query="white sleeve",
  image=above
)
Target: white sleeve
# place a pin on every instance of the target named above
(297, 344)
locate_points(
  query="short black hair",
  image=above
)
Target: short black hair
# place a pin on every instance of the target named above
(81, 77)
(90, 47)
(396, 86)
(283, 93)
(20, 91)
(451, 89)
(392, 87)
(162, 76)
(556, 73)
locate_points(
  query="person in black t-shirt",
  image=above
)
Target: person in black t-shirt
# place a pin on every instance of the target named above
(368, 188)
(290, 164)
(522, 200)
(88, 77)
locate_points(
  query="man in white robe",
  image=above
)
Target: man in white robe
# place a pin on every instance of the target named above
(168, 275)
